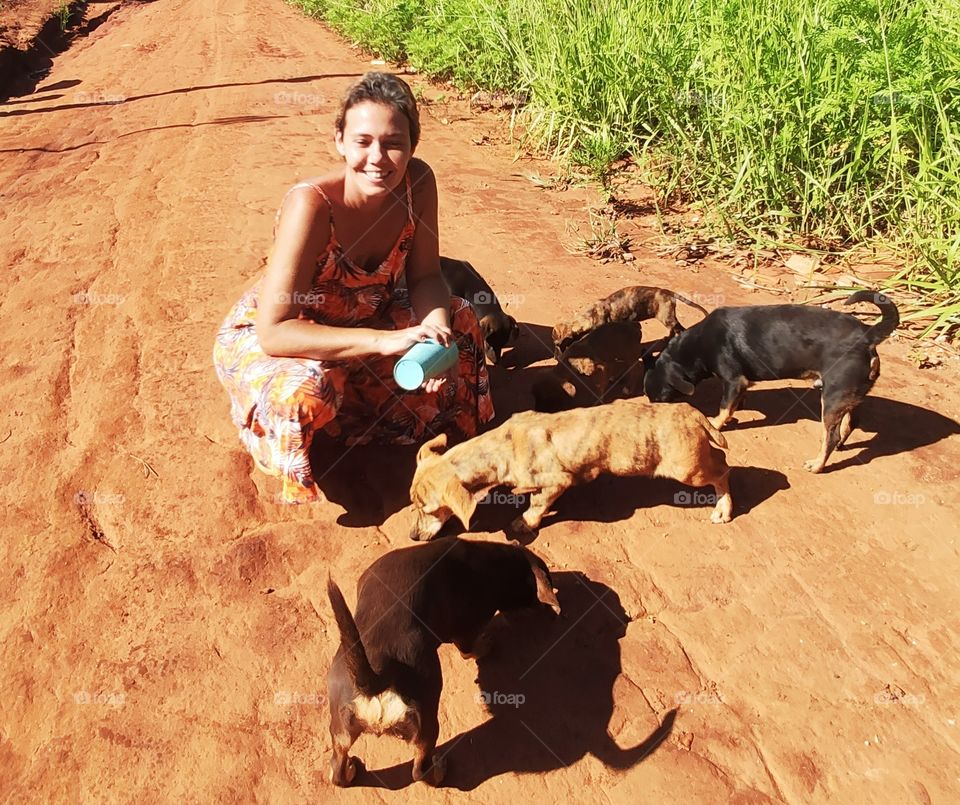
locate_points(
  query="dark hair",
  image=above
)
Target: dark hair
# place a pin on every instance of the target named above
(385, 89)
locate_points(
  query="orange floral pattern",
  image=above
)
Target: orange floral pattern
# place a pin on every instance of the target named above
(279, 404)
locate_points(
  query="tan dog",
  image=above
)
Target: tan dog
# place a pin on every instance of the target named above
(603, 365)
(636, 303)
(546, 454)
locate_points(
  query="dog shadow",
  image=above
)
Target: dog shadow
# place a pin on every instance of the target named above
(895, 426)
(548, 687)
(534, 343)
(611, 499)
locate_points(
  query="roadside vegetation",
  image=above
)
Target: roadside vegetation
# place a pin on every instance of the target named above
(826, 124)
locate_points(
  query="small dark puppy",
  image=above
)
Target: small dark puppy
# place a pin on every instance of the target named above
(773, 342)
(385, 677)
(605, 364)
(497, 327)
(636, 303)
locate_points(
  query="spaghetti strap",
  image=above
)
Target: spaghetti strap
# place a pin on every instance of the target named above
(323, 195)
(409, 198)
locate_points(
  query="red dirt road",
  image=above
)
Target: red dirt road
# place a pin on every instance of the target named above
(165, 633)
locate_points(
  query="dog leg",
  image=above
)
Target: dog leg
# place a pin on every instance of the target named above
(667, 316)
(427, 765)
(723, 511)
(475, 646)
(343, 768)
(847, 424)
(540, 503)
(732, 394)
(711, 469)
(831, 438)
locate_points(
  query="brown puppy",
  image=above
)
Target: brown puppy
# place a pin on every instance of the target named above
(385, 677)
(603, 365)
(636, 303)
(546, 454)
(497, 327)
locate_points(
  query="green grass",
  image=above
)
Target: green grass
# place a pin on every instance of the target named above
(826, 122)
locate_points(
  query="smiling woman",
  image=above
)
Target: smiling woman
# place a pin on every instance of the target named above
(312, 344)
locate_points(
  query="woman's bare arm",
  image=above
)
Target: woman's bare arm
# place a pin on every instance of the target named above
(429, 295)
(302, 234)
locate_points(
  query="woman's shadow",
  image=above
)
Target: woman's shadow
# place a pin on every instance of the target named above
(548, 687)
(371, 482)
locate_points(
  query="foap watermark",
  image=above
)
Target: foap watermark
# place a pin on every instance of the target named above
(896, 695)
(709, 300)
(884, 497)
(102, 698)
(897, 100)
(489, 697)
(97, 298)
(98, 498)
(498, 498)
(694, 98)
(312, 100)
(695, 498)
(306, 298)
(688, 698)
(503, 299)
(98, 98)
(296, 698)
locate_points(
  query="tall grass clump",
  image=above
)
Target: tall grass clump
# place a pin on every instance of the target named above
(831, 122)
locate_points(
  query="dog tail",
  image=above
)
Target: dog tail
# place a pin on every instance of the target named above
(362, 674)
(613, 756)
(890, 315)
(715, 436)
(689, 302)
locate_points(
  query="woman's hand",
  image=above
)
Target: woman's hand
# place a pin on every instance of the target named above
(396, 342)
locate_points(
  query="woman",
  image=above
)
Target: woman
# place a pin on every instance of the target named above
(312, 345)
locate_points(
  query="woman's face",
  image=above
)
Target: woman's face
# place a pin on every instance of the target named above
(375, 143)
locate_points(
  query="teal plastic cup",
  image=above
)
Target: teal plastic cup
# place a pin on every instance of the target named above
(422, 361)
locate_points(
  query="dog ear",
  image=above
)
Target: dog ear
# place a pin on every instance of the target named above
(460, 501)
(437, 446)
(678, 381)
(546, 593)
(514, 328)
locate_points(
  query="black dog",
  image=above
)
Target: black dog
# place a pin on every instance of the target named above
(385, 677)
(497, 327)
(772, 342)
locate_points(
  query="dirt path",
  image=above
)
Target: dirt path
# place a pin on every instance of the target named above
(164, 629)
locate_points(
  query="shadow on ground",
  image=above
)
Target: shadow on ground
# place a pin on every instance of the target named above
(548, 685)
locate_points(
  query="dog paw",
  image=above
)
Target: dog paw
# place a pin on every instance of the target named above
(813, 465)
(437, 771)
(348, 773)
(354, 767)
(720, 517)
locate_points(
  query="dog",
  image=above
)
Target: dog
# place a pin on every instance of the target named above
(385, 676)
(636, 303)
(741, 345)
(546, 454)
(606, 363)
(497, 327)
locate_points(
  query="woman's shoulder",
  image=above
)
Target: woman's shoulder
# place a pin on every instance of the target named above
(423, 182)
(329, 185)
(419, 170)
